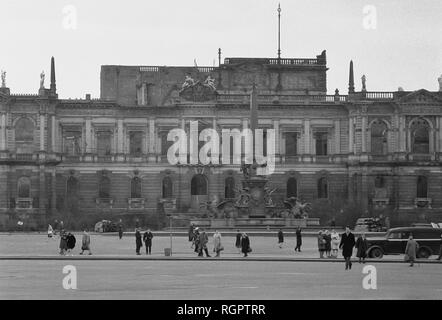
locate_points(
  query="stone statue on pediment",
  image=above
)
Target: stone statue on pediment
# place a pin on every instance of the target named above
(364, 80)
(210, 82)
(3, 79)
(42, 80)
(440, 82)
(188, 82)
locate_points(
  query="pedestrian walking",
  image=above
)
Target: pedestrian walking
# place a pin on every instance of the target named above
(410, 250)
(327, 238)
(440, 248)
(321, 244)
(86, 242)
(50, 231)
(217, 246)
(191, 232)
(298, 239)
(138, 242)
(335, 240)
(347, 243)
(120, 229)
(196, 239)
(280, 238)
(361, 246)
(238, 240)
(245, 244)
(202, 244)
(147, 238)
(70, 243)
(63, 243)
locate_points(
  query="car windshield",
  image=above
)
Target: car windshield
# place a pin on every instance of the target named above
(395, 235)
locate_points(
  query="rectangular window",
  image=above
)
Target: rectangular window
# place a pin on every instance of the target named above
(321, 143)
(291, 143)
(135, 142)
(104, 143)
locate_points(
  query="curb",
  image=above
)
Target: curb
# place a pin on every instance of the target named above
(144, 258)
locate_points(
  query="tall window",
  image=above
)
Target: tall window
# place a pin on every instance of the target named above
(104, 143)
(104, 188)
(72, 142)
(136, 142)
(420, 136)
(422, 187)
(135, 188)
(379, 138)
(291, 143)
(321, 143)
(198, 185)
(167, 188)
(322, 188)
(24, 130)
(72, 195)
(229, 188)
(292, 188)
(24, 187)
(165, 145)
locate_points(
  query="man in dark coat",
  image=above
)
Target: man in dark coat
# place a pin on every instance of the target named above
(440, 249)
(361, 246)
(191, 232)
(238, 240)
(120, 229)
(70, 242)
(147, 238)
(138, 241)
(245, 244)
(298, 240)
(280, 238)
(202, 244)
(347, 244)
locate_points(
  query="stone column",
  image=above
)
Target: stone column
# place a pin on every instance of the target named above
(337, 136)
(364, 133)
(3, 132)
(402, 134)
(54, 192)
(307, 142)
(351, 135)
(53, 134)
(277, 137)
(120, 136)
(42, 132)
(88, 127)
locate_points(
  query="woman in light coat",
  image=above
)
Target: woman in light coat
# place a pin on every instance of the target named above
(335, 241)
(217, 247)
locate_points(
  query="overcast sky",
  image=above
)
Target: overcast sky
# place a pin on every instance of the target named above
(405, 48)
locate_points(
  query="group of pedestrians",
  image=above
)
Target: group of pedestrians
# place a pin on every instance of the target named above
(200, 240)
(298, 239)
(147, 239)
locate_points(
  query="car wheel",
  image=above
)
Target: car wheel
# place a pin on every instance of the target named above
(376, 253)
(424, 253)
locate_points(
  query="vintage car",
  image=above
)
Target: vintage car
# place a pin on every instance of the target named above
(369, 225)
(105, 226)
(395, 241)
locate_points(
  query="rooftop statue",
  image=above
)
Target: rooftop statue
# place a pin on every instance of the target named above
(42, 80)
(188, 82)
(3, 79)
(364, 79)
(440, 82)
(210, 82)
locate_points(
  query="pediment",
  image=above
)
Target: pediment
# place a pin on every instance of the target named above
(421, 96)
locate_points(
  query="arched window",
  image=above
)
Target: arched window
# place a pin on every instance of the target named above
(229, 188)
(322, 188)
(24, 187)
(104, 188)
(379, 133)
(135, 188)
(24, 130)
(420, 136)
(292, 188)
(422, 187)
(198, 185)
(167, 188)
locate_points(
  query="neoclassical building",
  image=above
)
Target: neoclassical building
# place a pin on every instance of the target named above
(83, 159)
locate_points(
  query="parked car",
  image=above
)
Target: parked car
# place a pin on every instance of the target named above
(369, 225)
(105, 226)
(395, 241)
